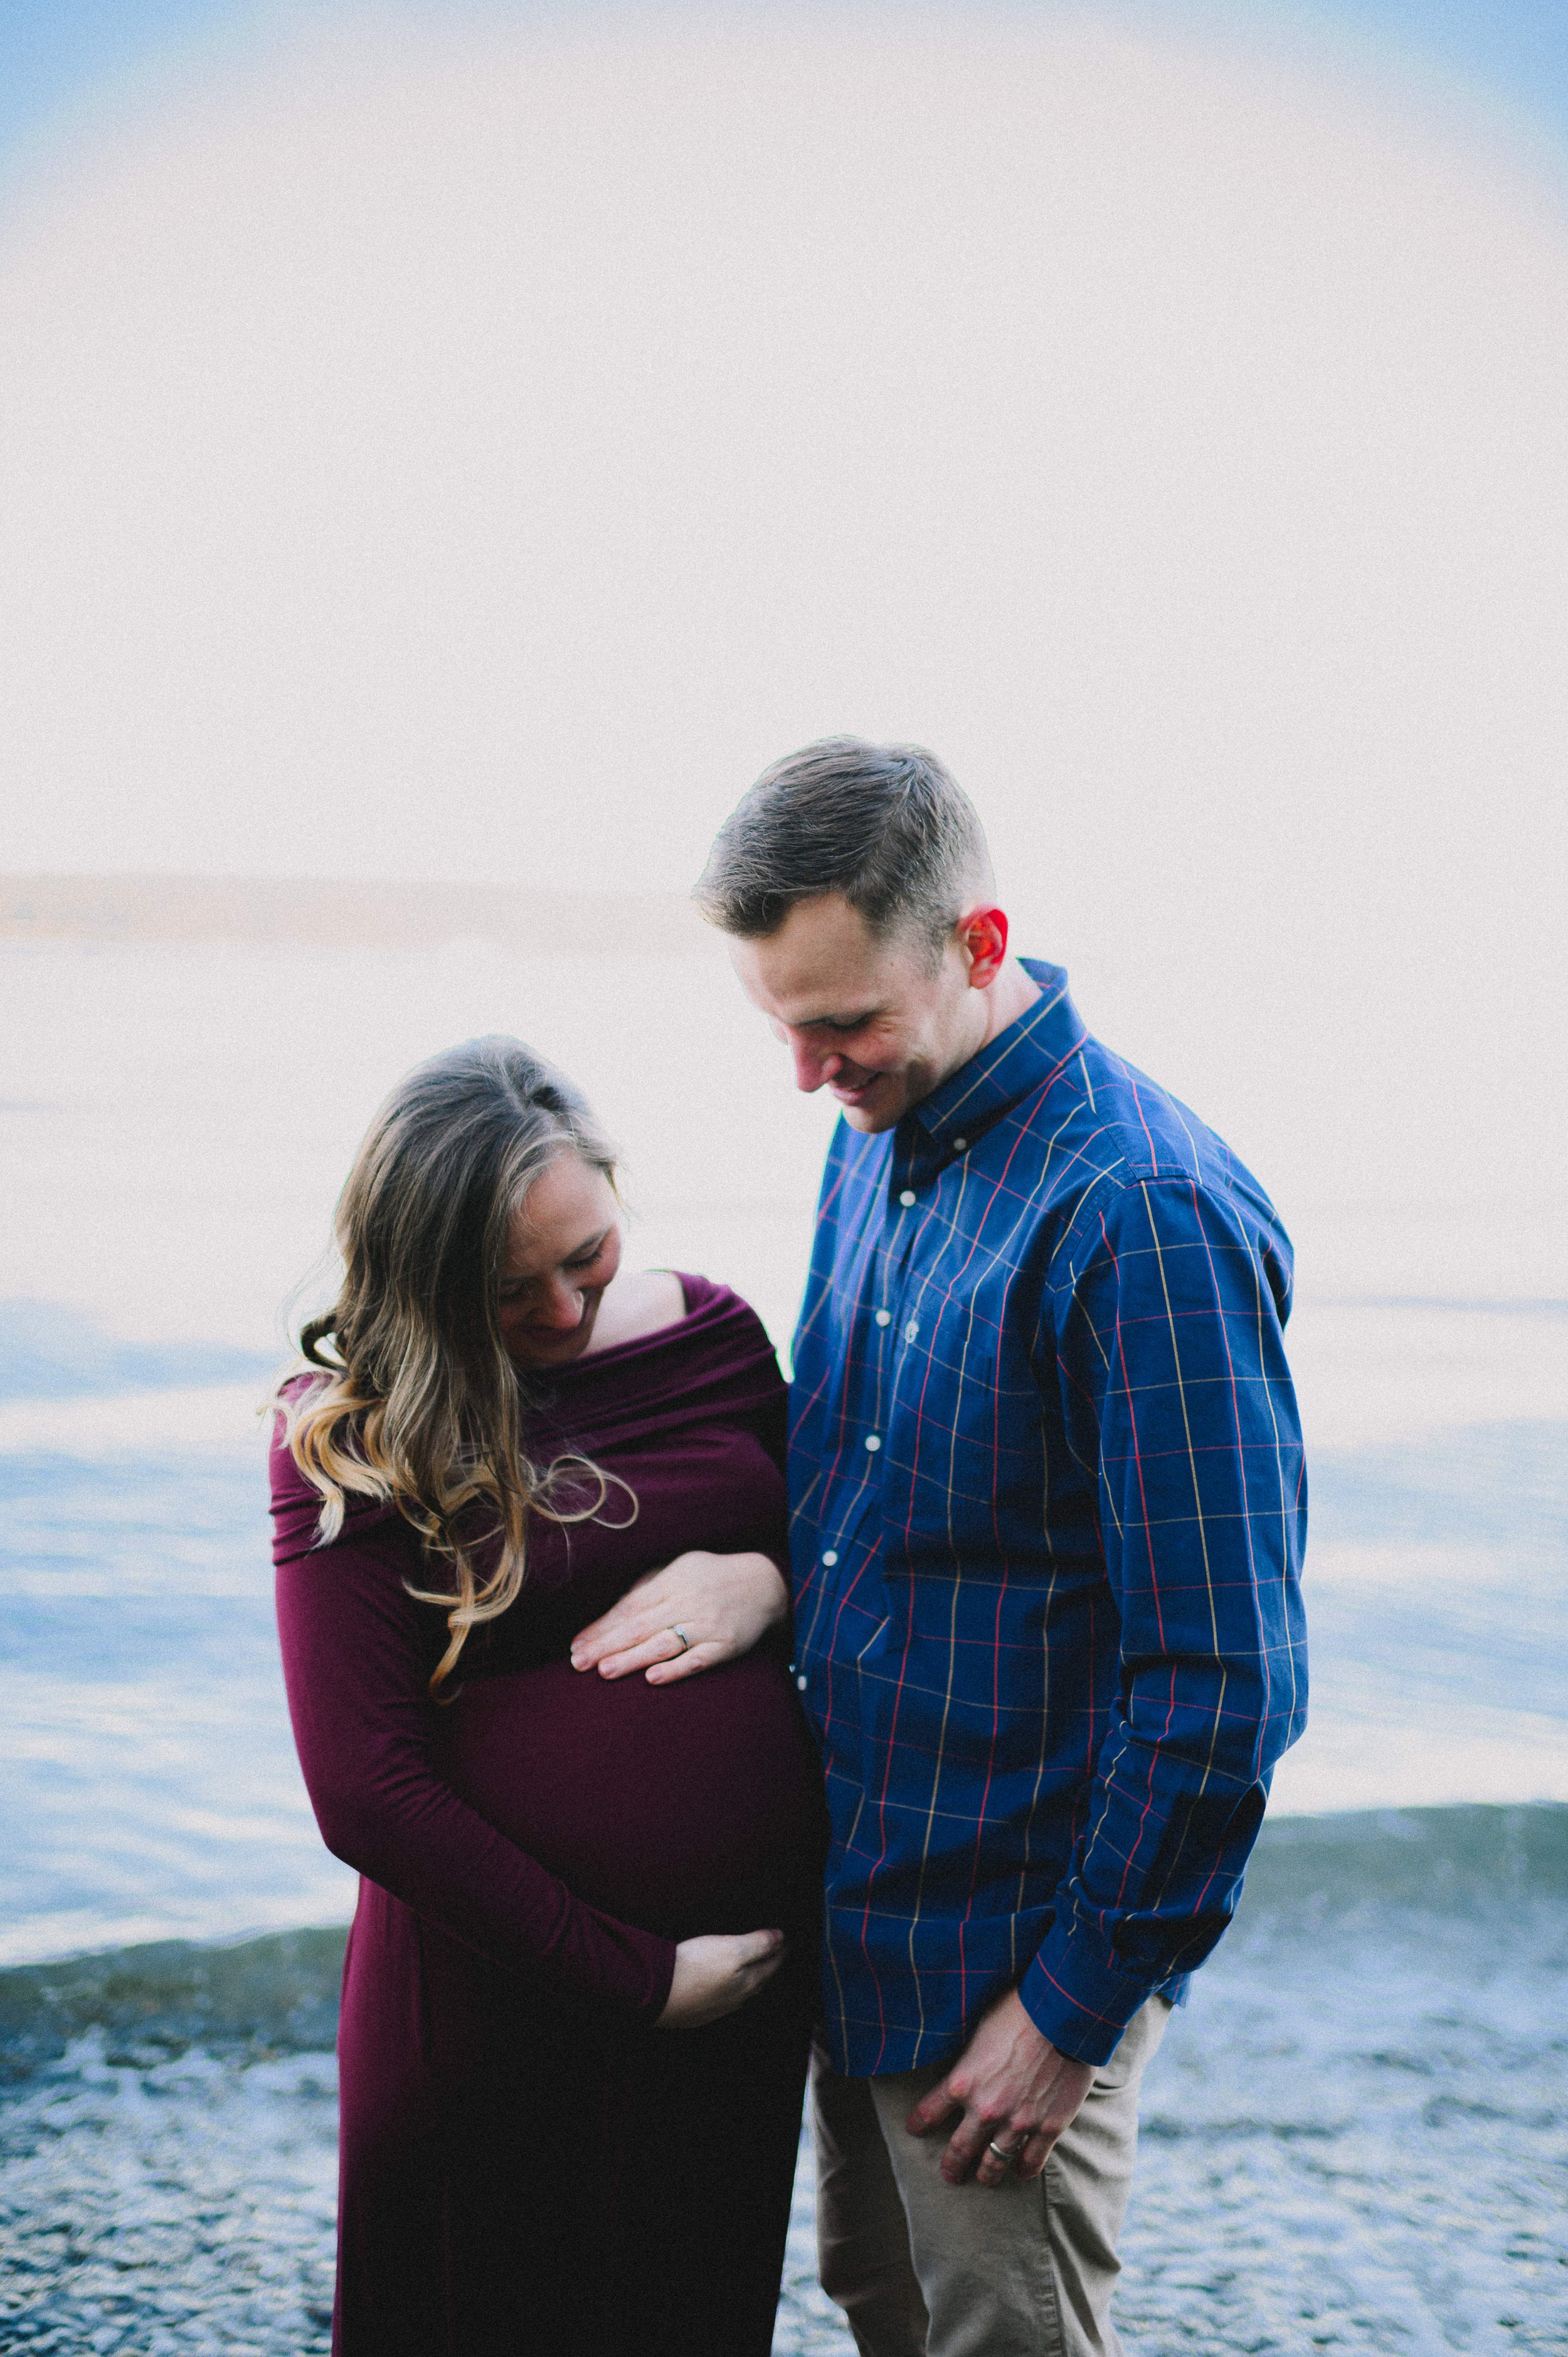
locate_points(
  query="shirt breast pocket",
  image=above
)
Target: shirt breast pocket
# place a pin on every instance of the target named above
(967, 1459)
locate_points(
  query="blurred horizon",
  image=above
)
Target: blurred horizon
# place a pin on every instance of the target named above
(463, 444)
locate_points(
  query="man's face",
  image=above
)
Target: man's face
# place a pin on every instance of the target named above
(865, 1017)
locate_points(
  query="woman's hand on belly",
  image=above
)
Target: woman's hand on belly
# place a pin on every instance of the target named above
(700, 1611)
(714, 1975)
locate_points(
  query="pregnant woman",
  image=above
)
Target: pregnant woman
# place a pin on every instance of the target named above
(581, 1975)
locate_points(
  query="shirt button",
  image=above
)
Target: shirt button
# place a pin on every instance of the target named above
(911, 1331)
(802, 1683)
(908, 1196)
(872, 1442)
(830, 1557)
(885, 1318)
(958, 1144)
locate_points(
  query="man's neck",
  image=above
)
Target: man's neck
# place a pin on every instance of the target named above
(1001, 1003)
(1012, 994)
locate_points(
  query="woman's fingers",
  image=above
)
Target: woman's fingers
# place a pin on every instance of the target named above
(754, 1977)
(706, 1654)
(621, 1632)
(716, 1973)
(614, 1633)
(662, 1659)
(629, 1652)
(723, 1603)
(659, 1649)
(639, 1657)
(650, 1638)
(659, 1601)
(754, 1958)
(654, 1601)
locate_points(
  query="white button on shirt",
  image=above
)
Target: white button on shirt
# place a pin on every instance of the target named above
(908, 1196)
(912, 1331)
(958, 1144)
(830, 1557)
(802, 1683)
(871, 1441)
(885, 1318)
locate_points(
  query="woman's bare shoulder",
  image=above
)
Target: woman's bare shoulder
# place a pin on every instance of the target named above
(640, 1302)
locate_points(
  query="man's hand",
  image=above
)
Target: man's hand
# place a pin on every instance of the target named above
(1014, 2090)
(720, 1604)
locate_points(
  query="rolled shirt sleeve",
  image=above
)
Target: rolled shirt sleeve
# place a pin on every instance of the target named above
(1178, 1403)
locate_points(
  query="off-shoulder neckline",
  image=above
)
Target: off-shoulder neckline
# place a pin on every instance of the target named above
(702, 1295)
(638, 1342)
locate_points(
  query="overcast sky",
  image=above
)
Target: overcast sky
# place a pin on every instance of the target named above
(462, 441)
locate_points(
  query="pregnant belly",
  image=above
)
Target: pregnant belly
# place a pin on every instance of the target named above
(693, 1807)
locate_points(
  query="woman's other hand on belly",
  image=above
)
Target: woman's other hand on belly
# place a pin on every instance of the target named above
(700, 1611)
(717, 1973)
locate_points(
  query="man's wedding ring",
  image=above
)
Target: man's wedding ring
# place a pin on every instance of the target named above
(1007, 2151)
(685, 1640)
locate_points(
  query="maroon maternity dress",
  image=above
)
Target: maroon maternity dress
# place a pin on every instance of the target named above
(529, 2167)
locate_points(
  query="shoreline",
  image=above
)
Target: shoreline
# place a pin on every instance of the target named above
(340, 913)
(276, 1993)
(1350, 2136)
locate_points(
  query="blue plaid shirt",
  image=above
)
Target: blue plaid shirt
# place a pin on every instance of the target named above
(1049, 1508)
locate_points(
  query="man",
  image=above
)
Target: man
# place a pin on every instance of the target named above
(1048, 1508)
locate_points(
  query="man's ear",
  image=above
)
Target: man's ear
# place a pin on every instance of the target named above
(982, 937)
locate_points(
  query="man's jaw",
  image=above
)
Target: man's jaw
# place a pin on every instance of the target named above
(871, 1103)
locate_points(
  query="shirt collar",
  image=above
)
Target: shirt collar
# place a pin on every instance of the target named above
(1019, 1060)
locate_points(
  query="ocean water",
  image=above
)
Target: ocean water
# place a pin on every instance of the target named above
(1355, 2137)
(147, 1775)
(1355, 2132)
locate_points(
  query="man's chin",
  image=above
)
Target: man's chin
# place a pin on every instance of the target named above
(871, 1116)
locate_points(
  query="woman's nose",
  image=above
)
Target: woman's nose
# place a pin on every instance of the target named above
(562, 1307)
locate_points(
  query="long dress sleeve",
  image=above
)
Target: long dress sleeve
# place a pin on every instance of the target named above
(356, 1673)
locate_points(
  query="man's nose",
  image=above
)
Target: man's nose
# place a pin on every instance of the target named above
(811, 1067)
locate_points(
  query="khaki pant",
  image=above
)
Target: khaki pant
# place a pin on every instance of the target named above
(926, 2269)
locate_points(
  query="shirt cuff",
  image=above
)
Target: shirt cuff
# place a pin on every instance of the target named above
(1077, 1998)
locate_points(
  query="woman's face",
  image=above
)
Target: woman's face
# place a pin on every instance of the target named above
(562, 1251)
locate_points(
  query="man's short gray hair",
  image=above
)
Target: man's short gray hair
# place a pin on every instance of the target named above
(886, 825)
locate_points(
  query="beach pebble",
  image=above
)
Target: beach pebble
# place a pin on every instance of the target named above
(1355, 2142)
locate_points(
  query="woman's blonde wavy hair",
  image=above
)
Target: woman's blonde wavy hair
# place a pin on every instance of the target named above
(420, 1405)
